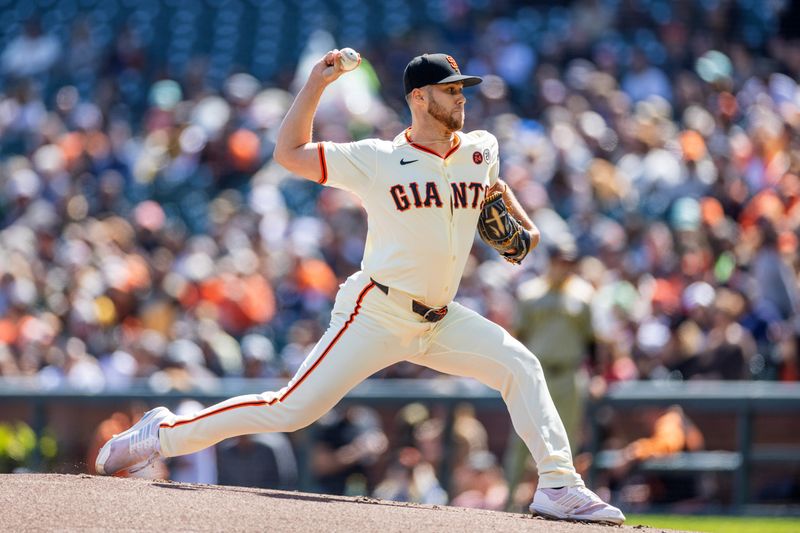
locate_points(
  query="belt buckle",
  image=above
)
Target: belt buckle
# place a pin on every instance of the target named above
(435, 315)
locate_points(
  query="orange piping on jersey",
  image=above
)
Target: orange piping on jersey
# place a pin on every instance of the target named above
(299, 381)
(322, 164)
(361, 296)
(428, 150)
(216, 412)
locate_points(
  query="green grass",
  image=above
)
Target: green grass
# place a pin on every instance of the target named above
(717, 524)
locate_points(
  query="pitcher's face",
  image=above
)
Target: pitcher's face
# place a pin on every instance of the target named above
(446, 104)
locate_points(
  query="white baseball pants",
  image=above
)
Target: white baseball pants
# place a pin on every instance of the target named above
(370, 331)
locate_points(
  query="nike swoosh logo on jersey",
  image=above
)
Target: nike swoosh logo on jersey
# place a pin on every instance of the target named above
(404, 162)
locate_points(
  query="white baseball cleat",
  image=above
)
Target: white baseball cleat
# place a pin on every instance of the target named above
(134, 448)
(574, 503)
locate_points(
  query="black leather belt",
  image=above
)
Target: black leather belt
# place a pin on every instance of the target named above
(430, 314)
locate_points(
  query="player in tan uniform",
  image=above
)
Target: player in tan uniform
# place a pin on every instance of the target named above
(423, 193)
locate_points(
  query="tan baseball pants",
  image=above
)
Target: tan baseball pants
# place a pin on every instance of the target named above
(370, 331)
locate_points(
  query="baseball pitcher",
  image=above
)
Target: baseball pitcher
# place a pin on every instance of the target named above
(425, 192)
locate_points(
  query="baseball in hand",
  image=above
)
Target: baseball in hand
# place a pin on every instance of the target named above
(349, 59)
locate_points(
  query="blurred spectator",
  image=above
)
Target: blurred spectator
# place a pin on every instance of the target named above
(777, 283)
(730, 348)
(480, 484)
(644, 80)
(184, 368)
(555, 323)
(671, 432)
(411, 475)
(469, 434)
(31, 53)
(409, 478)
(347, 442)
(258, 354)
(265, 460)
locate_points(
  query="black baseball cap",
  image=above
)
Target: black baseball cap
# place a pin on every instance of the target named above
(432, 69)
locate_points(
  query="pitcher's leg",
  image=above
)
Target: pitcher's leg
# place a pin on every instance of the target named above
(353, 348)
(467, 344)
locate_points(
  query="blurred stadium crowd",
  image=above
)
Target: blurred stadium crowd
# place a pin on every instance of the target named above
(146, 233)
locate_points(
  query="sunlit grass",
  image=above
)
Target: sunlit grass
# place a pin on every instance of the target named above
(717, 524)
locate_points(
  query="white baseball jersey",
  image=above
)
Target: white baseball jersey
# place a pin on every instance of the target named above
(422, 207)
(423, 211)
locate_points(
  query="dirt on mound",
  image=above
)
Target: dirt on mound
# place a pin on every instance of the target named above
(37, 502)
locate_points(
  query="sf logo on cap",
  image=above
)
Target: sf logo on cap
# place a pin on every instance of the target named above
(453, 64)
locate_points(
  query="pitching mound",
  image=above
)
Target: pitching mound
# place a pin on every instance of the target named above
(71, 502)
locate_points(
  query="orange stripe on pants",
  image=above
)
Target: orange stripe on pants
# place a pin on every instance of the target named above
(247, 414)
